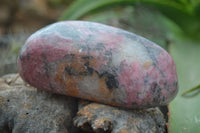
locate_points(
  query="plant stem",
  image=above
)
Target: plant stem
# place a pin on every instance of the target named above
(191, 90)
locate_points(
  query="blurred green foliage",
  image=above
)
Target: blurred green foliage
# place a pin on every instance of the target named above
(173, 24)
(185, 13)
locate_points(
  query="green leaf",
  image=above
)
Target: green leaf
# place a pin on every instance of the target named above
(191, 90)
(179, 11)
(81, 7)
(184, 111)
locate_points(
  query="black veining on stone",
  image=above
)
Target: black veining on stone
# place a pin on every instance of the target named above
(110, 79)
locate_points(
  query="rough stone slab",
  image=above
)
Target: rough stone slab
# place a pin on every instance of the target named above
(101, 118)
(24, 109)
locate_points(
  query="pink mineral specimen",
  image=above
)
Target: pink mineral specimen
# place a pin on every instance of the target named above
(99, 63)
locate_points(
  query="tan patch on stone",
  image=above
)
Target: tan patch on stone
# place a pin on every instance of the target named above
(26, 106)
(100, 123)
(2, 99)
(77, 68)
(24, 116)
(146, 65)
(131, 121)
(117, 112)
(68, 81)
(123, 131)
(85, 112)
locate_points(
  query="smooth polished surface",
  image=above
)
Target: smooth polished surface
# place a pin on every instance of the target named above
(99, 63)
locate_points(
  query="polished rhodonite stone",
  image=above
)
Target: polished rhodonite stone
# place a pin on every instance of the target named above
(99, 63)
